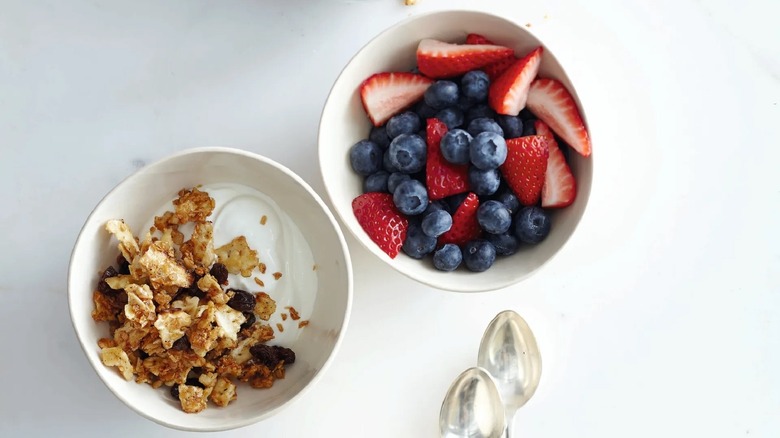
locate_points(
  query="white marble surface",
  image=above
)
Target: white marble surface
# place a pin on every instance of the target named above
(660, 318)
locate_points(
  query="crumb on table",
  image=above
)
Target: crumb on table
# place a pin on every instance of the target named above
(280, 327)
(259, 282)
(303, 323)
(263, 220)
(277, 275)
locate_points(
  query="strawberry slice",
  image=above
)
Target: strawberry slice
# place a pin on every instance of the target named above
(442, 177)
(525, 167)
(438, 59)
(560, 187)
(381, 220)
(508, 93)
(495, 69)
(464, 223)
(475, 38)
(387, 94)
(550, 101)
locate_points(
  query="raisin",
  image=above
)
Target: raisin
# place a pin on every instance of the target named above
(285, 354)
(175, 391)
(220, 272)
(250, 319)
(102, 286)
(242, 301)
(264, 354)
(193, 381)
(124, 265)
(183, 343)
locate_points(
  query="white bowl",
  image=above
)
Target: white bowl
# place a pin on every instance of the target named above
(344, 122)
(136, 199)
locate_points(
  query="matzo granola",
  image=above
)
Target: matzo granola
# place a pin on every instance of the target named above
(174, 322)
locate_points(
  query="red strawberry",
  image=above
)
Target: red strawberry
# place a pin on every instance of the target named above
(381, 220)
(560, 187)
(464, 223)
(442, 177)
(525, 167)
(550, 101)
(509, 92)
(387, 94)
(438, 59)
(495, 69)
(475, 38)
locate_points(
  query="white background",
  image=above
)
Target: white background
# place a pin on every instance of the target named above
(660, 318)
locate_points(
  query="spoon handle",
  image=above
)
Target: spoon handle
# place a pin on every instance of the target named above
(510, 426)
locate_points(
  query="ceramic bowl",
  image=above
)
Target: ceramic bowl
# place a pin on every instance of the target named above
(344, 122)
(136, 200)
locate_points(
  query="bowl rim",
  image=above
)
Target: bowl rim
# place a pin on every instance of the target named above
(242, 421)
(460, 287)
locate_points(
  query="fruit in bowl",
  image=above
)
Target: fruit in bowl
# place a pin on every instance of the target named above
(460, 150)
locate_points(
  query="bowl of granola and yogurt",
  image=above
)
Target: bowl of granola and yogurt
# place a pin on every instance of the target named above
(210, 289)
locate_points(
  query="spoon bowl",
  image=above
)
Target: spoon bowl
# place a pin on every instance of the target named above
(472, 407)
(508, 351)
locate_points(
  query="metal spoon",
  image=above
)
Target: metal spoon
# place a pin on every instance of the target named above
(472, 407)
(508, 351)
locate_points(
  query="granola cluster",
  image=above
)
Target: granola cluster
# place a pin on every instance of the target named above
(172, 319)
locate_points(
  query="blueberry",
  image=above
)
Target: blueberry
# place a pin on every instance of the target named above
(379, 136)
(411, 197)
(484, 182)
(404, 123)
(452, 117)
(407, 153)
(506, 243)
(417, 243)
(479, 111)
(475, 84)
(442, 94)
(376, 182)
(529, 128)
(436, 223)
(435, 206)
(394, 179)
(487, 150)
(478, 126)
(424, 110)
(526, 114)
(365, 157)
(494, 217)
(509, 200)
(512, 126)
(454, 201)
(455, 146)
(465, 103)
(447, 258)
(532, 224)
(386, 164)
(479, 255)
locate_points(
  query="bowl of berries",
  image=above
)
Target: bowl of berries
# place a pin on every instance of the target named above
(454, 147)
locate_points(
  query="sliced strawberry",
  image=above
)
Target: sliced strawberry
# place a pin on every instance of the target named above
(438, 59)
(387, 94)
(464, 223)
(550, 101)
(381, 220)
(560, 187)
(495, 69)
(509, 92)
(475, 38)
(442, 177)
(525, 167)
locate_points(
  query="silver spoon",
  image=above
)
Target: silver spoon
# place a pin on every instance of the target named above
(472, 407)
(508, 351)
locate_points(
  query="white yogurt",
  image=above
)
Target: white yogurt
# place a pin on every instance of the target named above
(279, 244)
